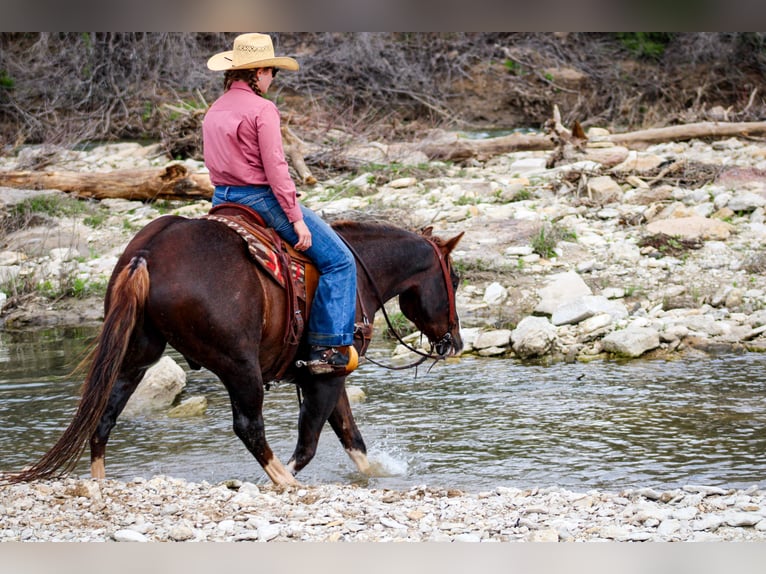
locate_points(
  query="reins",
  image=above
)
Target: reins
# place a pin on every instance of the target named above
(376, 292)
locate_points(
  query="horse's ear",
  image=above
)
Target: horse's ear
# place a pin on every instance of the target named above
(427, 231)
(452, 243)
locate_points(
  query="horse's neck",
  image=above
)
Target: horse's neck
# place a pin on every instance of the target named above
(391, 261)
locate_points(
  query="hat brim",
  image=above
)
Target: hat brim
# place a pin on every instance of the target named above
(225, 61)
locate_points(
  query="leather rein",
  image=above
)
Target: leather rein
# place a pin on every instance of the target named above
(446, 338)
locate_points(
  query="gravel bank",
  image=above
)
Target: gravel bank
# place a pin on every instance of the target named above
(169, 509)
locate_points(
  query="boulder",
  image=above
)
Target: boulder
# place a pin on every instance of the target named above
(533, 337)
(631, 342)
(561, 288)
(603, 189)
(692, 228)
(495, 338)
(586, 306)
(191, 407)
(495, 294)
(161, 384)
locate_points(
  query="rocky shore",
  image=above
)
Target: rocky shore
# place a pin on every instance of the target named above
(164, 509)
(654, 252)
(634, 262)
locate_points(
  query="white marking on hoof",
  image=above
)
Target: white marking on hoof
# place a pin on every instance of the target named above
(97, 468)
(279, 474)
(360, 460)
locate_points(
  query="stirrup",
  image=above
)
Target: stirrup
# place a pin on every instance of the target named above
(337, 361)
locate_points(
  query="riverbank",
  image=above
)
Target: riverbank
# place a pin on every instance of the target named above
(163, 509)
(643, 264)
(641, 253)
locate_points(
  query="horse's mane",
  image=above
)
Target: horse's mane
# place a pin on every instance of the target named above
(370, 228)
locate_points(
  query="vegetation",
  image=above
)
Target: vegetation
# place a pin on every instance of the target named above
(36, 209)
(549, 235)
(64, 88)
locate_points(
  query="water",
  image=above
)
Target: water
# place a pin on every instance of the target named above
(474, 424)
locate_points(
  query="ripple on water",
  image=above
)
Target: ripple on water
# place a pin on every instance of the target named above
(474, 424)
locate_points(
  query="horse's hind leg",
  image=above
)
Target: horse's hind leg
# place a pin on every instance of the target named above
(342, 422)
(142, 356)
(247, 409)
(123, 388)
(320, 395)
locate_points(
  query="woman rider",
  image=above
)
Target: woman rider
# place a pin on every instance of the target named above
(243, 152)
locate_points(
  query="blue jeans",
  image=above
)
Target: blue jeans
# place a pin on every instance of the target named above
(333, 310)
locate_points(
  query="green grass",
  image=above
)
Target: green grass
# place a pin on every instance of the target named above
(549, 235)
(25, 213)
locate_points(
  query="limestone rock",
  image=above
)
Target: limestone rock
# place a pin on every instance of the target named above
(533, 336)
(160, 386)
(562, 288)
(694, 227)
(191, 407)
(631, 342)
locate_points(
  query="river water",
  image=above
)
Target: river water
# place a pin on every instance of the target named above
(473, 424)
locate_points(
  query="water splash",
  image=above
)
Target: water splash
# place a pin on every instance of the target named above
(384, 464)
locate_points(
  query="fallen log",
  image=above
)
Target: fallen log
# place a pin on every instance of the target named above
(173, 181)
(451, 147)
(454, 148)
(643, 138)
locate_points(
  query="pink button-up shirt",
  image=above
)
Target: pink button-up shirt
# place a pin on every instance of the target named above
(243, 145)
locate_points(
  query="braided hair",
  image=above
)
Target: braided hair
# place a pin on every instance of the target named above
(249, 76)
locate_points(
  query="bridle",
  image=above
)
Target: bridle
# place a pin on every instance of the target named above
(444, 342)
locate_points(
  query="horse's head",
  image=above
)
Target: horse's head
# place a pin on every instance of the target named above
(430, 302)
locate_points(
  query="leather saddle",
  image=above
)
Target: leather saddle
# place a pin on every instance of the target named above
(291, 270)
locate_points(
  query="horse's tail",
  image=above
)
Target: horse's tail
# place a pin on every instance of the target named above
(127, 300)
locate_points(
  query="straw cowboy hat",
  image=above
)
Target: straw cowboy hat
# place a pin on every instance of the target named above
(250, 51)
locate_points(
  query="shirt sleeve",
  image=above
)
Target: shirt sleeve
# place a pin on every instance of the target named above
(274, 162)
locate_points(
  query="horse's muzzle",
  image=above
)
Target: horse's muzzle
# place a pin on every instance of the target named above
(448, 345)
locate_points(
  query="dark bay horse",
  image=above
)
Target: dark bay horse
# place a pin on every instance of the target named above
(190, 283)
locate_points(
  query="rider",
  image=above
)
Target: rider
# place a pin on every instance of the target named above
(243, 152)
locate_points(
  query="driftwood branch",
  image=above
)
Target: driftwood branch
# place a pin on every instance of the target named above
(171, 182)
(454, 148)
(295, 149)
(685, 132)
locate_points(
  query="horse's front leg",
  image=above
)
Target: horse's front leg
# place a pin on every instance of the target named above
(342, 422)
(320, 395)
(247, 408)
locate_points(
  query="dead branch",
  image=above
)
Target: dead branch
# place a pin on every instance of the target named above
(171, 182)
(642, 138)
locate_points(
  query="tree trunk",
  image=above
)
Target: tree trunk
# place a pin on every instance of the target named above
(171, 182)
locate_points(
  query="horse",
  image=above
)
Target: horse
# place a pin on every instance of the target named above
(191, 284)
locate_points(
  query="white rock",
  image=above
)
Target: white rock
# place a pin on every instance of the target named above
(181, 533)
(561, 288)
(631, 342)
(403, 182)
(127, 535)
(495, 294)
(268, 532)
(494, 338)
(746, 201)
(533, 336)
(736, 518)
(355, 394)
(160, 386)
(586, 306)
